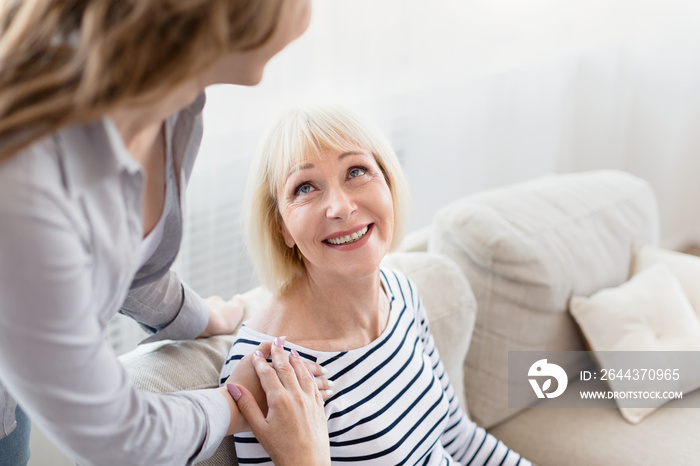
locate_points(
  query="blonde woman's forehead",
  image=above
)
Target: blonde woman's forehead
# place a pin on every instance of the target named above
(295, 160)
(309, 160)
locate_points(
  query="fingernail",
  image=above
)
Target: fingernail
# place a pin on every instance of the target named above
(234, 391)
(279, 342)
(259, 353)
(295, 353)
(330, 383)
(324, 371)
(329, 392)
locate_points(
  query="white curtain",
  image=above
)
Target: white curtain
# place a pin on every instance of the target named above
(473, 94)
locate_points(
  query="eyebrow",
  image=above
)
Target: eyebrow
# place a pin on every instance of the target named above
(307, 166)
(352, 152)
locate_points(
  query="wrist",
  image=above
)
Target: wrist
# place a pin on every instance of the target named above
(237, 422)
(213, 325)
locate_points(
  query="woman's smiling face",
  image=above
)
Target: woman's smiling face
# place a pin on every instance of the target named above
(337, 209)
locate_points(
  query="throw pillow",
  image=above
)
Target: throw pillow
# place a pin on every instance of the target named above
(684, 267)
(648, 313)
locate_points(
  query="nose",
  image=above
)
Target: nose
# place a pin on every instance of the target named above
(340, 204)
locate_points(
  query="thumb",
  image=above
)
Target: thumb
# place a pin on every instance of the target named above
(249, 408)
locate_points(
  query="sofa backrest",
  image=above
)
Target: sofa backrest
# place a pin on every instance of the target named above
(526, 249)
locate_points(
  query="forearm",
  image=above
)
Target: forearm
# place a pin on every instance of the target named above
(103, 420)
(167, 309)
(55, 361)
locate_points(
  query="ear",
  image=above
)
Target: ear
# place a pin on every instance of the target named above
(288, 240)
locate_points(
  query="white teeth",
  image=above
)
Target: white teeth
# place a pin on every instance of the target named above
(351, 238)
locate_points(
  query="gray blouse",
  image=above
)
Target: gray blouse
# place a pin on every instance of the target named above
(70, 235)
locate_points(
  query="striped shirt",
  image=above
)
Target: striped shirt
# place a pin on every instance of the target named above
(393, 402)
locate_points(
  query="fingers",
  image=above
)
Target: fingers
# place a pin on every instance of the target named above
(325, 387)
(213, 299)
(237, 300)
(319, 372)
(265, 348)
(224, 316)
(247, 406)
(306, 379)
(238, 308)
(316, 369)
(284, 370)
(268, 376)
(292, 370)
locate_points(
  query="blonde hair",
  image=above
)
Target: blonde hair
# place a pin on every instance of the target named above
(301, 135)
(65, 62)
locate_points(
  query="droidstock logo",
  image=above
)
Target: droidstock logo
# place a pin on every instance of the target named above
(540, 370)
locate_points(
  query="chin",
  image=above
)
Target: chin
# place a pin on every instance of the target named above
(253, 80)
(238, 77)
(362, 270)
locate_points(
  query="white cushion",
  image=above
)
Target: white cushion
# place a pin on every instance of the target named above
(684, 267)
(526, 249)
(648, 313)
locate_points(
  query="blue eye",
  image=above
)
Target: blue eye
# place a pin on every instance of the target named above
(357, 171)
(304, 189)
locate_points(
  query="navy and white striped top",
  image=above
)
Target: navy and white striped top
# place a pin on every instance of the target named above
(393, 402)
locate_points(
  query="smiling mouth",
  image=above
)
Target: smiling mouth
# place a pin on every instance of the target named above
(348, 238)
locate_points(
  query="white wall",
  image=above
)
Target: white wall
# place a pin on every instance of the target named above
(473, 95)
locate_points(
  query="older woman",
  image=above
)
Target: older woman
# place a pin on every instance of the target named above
(327, 201)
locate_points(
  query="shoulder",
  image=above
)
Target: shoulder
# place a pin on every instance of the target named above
(247, 340)
(34, 189)
(185, 129)
(66, 163)
(248, 336)
(393, 277)
(36, 166)
(400, 286)
(243, 342)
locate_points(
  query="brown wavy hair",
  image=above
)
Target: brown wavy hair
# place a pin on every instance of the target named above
(65, 62)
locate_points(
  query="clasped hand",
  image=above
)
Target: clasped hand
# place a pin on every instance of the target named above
(282, 404)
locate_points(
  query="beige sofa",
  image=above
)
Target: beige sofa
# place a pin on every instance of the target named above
(518, 254)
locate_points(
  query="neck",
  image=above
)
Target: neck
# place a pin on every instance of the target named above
(328, 314)
(139, 122)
